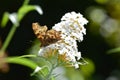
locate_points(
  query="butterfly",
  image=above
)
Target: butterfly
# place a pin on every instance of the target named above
(45, 36)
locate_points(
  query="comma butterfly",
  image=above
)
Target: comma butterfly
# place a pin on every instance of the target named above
(45, 36)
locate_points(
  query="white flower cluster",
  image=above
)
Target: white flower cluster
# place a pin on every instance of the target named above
(72, 25)
(72, 30)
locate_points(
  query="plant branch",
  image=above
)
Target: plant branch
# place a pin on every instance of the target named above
(9, 37)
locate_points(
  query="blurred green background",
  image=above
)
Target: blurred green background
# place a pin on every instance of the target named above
(103, 34)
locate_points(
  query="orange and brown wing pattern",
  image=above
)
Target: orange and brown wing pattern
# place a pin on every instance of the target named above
(45, 36)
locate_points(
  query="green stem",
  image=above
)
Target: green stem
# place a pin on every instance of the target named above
(26, 2)
(51, 70)
(22, 61)
(9, 37)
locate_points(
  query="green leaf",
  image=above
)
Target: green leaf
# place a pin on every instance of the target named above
(5, 19)
(88, 69)
(22, 61)
(73, 74)
(115, 50)
(102, 1)
(52, 78)
(24, 10)
(28, 56)
(45, 71)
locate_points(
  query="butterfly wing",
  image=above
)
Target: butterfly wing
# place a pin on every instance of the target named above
(45, 36)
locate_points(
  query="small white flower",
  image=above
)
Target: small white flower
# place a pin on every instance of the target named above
(41, 51)
(76, 65)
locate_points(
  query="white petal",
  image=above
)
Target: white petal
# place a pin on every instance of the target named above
(37, 69)
(39, 9)
(13, 18)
